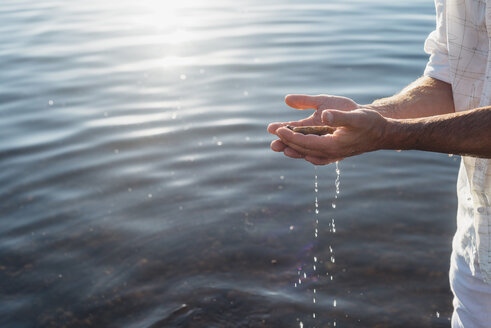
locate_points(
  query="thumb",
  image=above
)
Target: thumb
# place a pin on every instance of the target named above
(337, 118)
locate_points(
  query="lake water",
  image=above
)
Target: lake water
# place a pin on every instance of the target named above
(137, 187)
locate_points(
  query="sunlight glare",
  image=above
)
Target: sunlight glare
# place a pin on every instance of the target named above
(168, 15)
(175, 61)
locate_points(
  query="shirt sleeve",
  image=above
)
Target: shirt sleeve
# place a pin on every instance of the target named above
(436, 46)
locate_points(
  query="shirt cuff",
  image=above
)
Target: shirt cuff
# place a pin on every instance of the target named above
(438, 68)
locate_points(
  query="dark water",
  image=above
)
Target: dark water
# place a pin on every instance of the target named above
(137, 188)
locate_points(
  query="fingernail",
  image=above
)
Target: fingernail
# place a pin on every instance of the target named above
(327, 117)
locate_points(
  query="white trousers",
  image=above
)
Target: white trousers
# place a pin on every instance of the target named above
(472, 296)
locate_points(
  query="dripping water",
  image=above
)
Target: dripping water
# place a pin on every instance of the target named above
(316, 234)
(302, 275)
(332, 224)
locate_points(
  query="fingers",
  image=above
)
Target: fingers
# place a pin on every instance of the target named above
(318, 159)
(299, 148)
(292, 153)
(338, 118)
(321, 160)
(311, 143)
(277, 146)
(304, 101)
(275, 126)
(320, 102)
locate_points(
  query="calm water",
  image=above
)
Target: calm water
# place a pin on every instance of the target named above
(137, 188)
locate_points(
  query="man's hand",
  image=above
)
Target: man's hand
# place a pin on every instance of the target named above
(420, 117)
(319, 103)
(357, 132)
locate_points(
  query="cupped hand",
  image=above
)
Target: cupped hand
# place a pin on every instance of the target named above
(358, 131)
(319, 103)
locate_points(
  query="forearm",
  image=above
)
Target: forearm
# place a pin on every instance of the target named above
(463, 133)
(424, 97)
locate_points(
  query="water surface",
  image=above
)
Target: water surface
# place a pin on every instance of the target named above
(137, 188)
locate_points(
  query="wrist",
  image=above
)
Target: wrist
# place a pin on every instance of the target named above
(396, 135)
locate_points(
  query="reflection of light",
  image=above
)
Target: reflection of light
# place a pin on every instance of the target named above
(178, 36)
(167, 15)
(159, 14)
(174, 61)
(128, 120)
(149, 132)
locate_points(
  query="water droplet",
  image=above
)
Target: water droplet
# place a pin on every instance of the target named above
(219, 143)
(337, 182)
(315, 259)
(182, 77)
(292, 227)
(51, 102)
(333, 205)
(313, 315)
(334, 303)
(438, 314)
(246, 93)
(301, 324)
(201, 71)
(150, 195)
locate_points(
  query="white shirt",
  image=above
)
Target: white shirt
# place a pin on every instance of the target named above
(460, 55)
